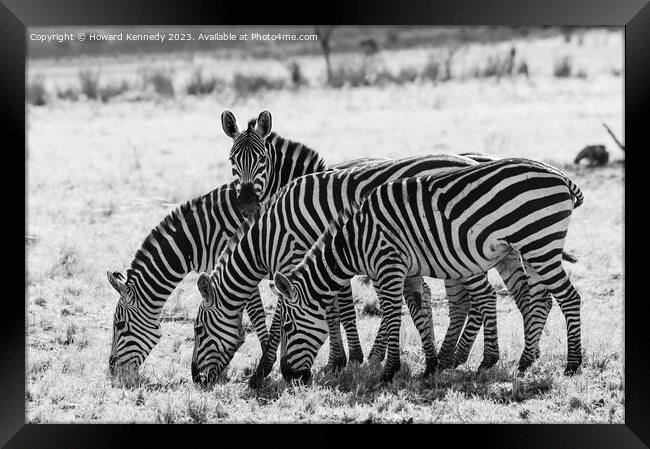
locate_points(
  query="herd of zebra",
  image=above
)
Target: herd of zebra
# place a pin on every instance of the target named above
(311, 228)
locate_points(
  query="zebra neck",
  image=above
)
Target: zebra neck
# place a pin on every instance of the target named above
(289, 160)
(188, 239)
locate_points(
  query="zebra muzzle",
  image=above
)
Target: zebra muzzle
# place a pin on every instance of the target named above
(247, 201)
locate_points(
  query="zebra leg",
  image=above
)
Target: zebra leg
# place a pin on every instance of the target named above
(421, 314)
(458, 300)
(265, 364)
(392, 309)
(557, 282)
(532, 300)
(257, 316)
(378, 351)
(337, 358)
(484, 302)
(349, 322)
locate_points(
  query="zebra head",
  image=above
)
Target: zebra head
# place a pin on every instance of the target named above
(303, 331)
(250, 157)
(135, 333)
(217, 335)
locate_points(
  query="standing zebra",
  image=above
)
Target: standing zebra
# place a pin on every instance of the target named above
(189, 239)
(449, 226)
(260, 168)
(277, 237)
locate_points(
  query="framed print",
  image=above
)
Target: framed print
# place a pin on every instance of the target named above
(414, 215)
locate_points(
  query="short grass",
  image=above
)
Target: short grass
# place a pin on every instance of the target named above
(101, 175)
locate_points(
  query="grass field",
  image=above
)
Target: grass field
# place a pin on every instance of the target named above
(100, 176)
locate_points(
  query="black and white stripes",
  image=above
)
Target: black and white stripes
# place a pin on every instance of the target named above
(451, 226)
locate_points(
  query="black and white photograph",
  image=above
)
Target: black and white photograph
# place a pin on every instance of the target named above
(325, 224)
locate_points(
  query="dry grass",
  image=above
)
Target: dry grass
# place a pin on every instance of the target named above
(102, 174)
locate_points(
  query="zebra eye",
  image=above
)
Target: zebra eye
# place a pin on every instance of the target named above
(287, 326)
(120, 325)
(198, 329)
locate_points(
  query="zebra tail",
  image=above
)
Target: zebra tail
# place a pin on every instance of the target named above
(569, 257)
(577, 193)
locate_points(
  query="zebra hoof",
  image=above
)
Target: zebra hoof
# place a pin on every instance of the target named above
(488, 362)
(356, 357)
(254, 381)
(524, 365)
(336, 364)
(432, 366)
(571, 368)
(389, 372)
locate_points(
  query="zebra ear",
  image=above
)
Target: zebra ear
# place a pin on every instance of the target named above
(264, 124)
(229, 124)
(283, 285)
(204, 285)
(117, 282)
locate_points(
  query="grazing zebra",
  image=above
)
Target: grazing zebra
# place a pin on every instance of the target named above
(276, 238)
(190, 239)
(449, 226)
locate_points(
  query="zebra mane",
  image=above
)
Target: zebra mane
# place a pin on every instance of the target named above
(171, 223)
(293, 147)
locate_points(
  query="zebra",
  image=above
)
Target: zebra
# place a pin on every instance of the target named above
(261, 165)
(448, 226)
(189, 239)
(276, 237)
(257, 166)
(186, 240)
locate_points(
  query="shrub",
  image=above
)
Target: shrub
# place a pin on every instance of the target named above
(432, 69)
(562, 67)
(113, 90)
(296, 76)
(406, 75)
(349, 75)
(36, 93)
(523, 69)
(160, 80)
(250, 84)
(89, 81)
(69, 93)
(201, 85)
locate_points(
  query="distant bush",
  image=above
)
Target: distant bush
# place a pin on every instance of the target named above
(522, 69)
(69, 93)
(113, 90)
(245, 85)
(160, 80)
(582, 74)
(296, 76)
(202, 85)
(354, 75)
(562, 67)
(407, 75)
(89, 82)
(432, 69)
(36, 93)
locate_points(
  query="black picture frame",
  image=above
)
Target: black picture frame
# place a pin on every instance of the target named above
(634, 15)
